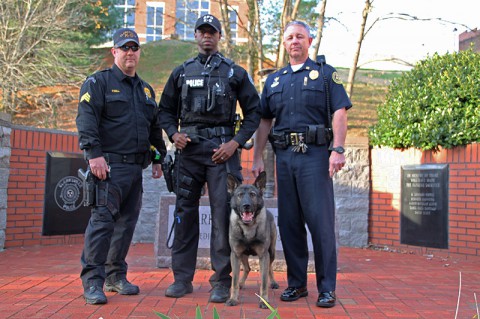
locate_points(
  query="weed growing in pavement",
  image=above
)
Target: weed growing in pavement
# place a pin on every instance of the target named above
(198, 313)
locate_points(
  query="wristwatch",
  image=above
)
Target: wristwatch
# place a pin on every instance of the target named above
(338, 149)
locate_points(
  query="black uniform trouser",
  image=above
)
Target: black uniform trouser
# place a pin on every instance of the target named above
(305, 196)
(110, 228)
(195, 162)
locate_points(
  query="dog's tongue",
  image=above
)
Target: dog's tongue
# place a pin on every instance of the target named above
(247, 217)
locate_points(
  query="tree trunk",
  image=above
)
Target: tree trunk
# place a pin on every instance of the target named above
(285, 18)
(227, 35)
(353, 69)
(259, 41)
(318, 36)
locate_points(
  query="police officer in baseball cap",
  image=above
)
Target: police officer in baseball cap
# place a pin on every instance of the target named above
(207, 88)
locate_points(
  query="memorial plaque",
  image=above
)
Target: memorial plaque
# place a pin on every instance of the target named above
(424, 210)
(63, 210)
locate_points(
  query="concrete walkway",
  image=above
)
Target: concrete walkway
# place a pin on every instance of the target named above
(43, 282)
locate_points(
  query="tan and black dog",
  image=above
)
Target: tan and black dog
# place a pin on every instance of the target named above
(252, 233)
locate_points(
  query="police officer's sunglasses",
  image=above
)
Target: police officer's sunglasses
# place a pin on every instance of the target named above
(125, 47)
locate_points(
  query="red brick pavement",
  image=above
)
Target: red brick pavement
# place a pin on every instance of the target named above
(43, 282)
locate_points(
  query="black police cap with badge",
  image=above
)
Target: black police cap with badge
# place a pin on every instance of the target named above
(123, 36)
(210, 20)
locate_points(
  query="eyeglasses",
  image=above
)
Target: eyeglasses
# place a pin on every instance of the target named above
(125, 48)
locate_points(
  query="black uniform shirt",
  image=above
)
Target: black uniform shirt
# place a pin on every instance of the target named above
(240, 82)
(297, 99)
(117, 114)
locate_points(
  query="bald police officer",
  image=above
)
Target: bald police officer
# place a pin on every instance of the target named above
(302, 97)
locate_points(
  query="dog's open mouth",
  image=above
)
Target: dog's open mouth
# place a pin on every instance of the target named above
(247, 217)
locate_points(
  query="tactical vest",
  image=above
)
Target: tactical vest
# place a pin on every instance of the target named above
(207, 97)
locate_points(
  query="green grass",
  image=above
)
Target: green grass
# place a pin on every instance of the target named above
(159, 58)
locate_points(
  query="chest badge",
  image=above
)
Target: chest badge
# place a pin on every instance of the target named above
(313, 75)
(275, 82)
(148, 94)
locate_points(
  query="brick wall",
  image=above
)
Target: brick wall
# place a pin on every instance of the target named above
(464, 197)
(26, 184)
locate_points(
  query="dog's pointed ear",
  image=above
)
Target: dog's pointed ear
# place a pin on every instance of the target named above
(261, 181)
(232, 183)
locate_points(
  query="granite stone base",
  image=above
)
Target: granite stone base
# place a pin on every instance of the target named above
(165, 220)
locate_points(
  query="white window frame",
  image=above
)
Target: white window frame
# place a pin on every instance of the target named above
(182, 15)
(155, 4)
(126, 11)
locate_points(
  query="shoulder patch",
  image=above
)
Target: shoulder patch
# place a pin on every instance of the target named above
(336, 78)
(91, 78)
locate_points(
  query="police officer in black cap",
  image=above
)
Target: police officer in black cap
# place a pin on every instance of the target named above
(117, 125)
(197, 112)
(309, 103)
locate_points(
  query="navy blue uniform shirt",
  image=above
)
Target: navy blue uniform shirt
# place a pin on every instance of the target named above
(298, 99)
(118, 114)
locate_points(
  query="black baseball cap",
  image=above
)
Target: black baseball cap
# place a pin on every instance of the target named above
(210, 20)
(123, 36)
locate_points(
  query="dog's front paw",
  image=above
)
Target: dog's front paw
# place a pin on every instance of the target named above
(274, 285)
(231, 302)
(262, 305)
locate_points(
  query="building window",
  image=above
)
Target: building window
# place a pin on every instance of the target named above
(155, 20)
(188, 11)
(128, 9)
(233, 17)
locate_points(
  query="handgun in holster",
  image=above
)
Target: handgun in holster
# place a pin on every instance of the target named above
(89, 186)
(278, 140)
(167, 169)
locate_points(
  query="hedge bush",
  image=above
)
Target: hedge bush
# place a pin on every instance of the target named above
(436, 104)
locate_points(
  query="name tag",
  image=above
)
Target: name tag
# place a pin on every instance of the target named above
(195, 83)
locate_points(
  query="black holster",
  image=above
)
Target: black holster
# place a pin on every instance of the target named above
(167, 169)
(102, 193)
(89, 186)
(278, 140)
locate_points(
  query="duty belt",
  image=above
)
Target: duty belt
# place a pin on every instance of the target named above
(314, 134)
(209, 132)
(218, 131)
(136, 158)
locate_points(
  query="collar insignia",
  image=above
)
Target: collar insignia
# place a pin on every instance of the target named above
(275, 82)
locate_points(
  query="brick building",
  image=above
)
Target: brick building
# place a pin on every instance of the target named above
(156, 20)
(466, 38)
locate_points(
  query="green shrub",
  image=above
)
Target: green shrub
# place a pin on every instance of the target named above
(436, 104)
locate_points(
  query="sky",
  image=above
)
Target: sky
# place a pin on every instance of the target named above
(407, 40)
